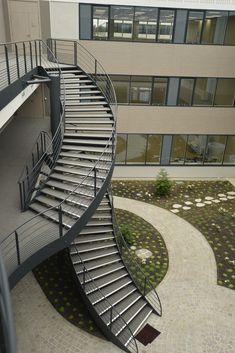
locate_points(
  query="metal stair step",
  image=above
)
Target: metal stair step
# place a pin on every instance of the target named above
(118, 325)
(87, 109)
(51, 214)
(93, 255)
(75, 180)
(135, 325)
(81, 200)
(105, 281)
(86, 142)
(98, 103)
(102, 271)
(87, 135)
(72, 88)
(87, 116)
(86, 120)
(86, 149)
(92, 246)
(83, 164)
(114, 299)
(121, 307)
(96, 230)
(99, 263)
(87, 128)
(71, 210)
(83, 190)
(76, 171)
(76, 84)
(110, 289)
(74, 101)
(82, 91)
(93, 238)
(85, 156)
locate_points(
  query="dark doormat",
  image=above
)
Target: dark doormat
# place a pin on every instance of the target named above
(147, 335)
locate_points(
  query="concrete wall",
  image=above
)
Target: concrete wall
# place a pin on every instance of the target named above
(64, 20)
(2, 24)
(45, 19)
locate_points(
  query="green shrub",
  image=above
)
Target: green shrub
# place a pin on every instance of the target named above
(126, 233)
(162, 184)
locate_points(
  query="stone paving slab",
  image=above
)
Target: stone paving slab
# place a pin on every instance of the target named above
(198, 315)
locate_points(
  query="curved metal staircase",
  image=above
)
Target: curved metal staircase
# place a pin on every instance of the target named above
(67, 187)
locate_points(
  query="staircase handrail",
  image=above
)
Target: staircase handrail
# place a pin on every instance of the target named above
(113, 310)
(147, 289)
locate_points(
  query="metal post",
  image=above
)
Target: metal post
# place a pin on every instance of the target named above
(75, 48)
(31, 55)
(38, 151)
(113, 144)
(33, 161)
(17, 61)
(7, 65)
(27, 175)
(84, 278)
(25, 63)
(17, 247)
(60, 221)
(36, 54)
(40, 53)
(95, 181)
(145, 283)
(95, 70)
(111, 318)
(23, 199)
(21, 196)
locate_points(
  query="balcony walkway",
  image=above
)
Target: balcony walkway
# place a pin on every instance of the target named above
(198, 315)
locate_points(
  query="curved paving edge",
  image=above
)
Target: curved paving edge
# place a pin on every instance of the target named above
(198, 315)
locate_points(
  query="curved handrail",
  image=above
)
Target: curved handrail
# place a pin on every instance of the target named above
(106, 305)
(142, 282)
(29, 237)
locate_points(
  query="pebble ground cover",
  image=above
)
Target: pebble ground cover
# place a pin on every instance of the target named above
(207, 205)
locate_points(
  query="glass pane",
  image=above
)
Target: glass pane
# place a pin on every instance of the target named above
(195, 149)
(154, 149)
(185, 91)
(160, 90)
(141, 87)
(136, 149)
(122, 88)
(229, 156)
(100, 22)
(122, 22)
(204, 91)
(215, 149)
(178, 149)
(166, 24)
(230, 31)
(214, 27)
(194, 29)
(121, 148)
(145, 23)
(225, 91)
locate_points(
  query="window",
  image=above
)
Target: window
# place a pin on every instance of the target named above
(100, 22)
(194, 29)
(185, 91)
(141, 87)
(122, 88)
(145, 24)
(230, 31)
(215, 149)
(122, 22)
(204, 91)
(166, 24)
(153, 152)
(214, 27)
(121, 148)
(178, 149)
(225, 92)
(195, 149)
(136, 149)
(159, 90)
(229, 156)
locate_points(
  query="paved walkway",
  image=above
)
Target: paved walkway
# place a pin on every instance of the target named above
(198, 315)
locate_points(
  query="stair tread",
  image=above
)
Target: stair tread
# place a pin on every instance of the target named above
(87, 128)
(78, 120)
(72, 210)
(84, 190)
(84, 156)
(75, 180)
(86, 142)
(80, 163)
(86, 149)
(95, 230)
(77, 171)
(93, 246)
(98, 263)
(93, 237)
(102, 282)
(87, 109)
(87, 134)
(88, 256)
(104, 270)
(70, 198)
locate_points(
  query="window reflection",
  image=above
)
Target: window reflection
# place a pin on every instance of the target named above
(145, 23)
(121, 148)
(141, 87)
(225, 91)
(195, 149)
(204, 91)
(160, 90)
(230, 31)
(153, 152)
(178, 148)
(136, 149)
(214, 27)
(194, 29)
(100, 22)
(122, 22)
(122, 88)
(215, 149)
(229, 156)
(186, 91)
(166, 24)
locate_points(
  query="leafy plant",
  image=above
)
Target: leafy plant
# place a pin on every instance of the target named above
(126, 233)
(162, 184)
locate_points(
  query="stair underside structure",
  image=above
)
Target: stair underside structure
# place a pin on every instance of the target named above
(65, 195)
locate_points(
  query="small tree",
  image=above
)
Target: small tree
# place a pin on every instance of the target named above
(162, 184)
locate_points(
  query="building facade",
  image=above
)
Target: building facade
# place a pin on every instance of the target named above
(173, 67)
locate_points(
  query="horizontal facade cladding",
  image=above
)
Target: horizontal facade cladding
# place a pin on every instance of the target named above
(174, 91)
(177, 150)
(152, 24)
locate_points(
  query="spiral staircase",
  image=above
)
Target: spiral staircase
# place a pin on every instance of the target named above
(67, 187)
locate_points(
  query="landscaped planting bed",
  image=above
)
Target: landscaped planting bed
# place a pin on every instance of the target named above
(207, 205)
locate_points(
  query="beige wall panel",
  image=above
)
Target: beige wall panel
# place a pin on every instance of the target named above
(164, 59)
(2, 24)
(64, 20)
(177, 120)
(33, 107)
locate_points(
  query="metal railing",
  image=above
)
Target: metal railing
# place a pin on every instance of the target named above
(116, 322)
(138, 275)
(36, 233)
(7, 331)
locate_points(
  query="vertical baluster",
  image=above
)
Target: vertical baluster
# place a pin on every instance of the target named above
(75, 48)
(17, 61)
(25, 62)
(31, 55)
(17, 247)
(95, 181)
(84, 278)
(7, 65)
(60, 221)
(111, 318)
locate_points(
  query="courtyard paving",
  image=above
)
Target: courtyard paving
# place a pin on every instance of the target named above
(198, 315)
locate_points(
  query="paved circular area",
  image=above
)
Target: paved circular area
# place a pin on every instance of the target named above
(198, 315)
